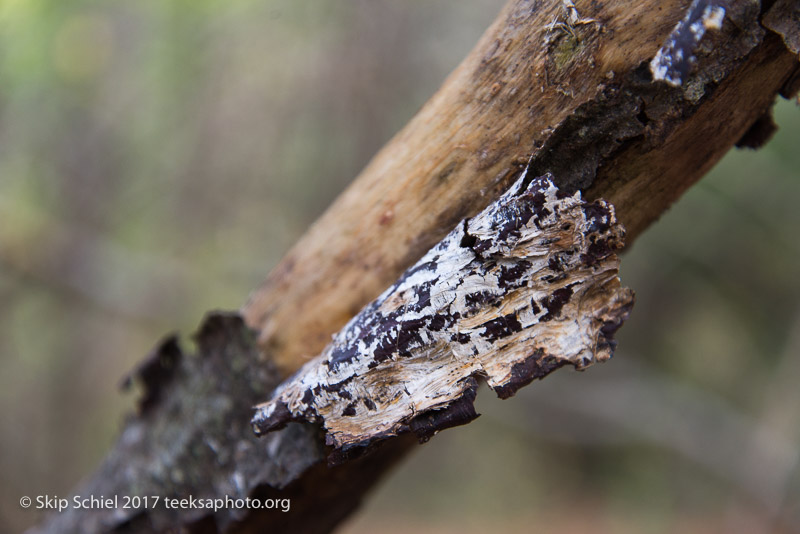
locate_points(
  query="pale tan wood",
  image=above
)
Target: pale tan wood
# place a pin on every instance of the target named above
(520, 86)
(525, 287)
(570, 88)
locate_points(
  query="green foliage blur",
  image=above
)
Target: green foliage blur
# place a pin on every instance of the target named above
(158, 158)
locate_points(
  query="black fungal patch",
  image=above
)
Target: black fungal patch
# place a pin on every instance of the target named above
(501, 327)
(467, 241)
(460, 337)
(512, 276)
(511, 218)
(610, 328)
(437, 323)
(341, 355)
(338, 386)
(555, 302)
(459, 412)
(598, 250)
(479, 299)
(281, 415)
(409, 334)
(521, 243)
(350, 410)
(555, 263)
(598, 217)
(523, 373)
(676, 58)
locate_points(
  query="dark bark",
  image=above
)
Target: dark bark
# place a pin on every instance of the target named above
(636, 142)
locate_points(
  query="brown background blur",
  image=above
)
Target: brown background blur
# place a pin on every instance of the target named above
(158, 157)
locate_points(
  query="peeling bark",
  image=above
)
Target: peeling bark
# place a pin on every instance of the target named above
(528, 285)
(784, 19)
(570, 83)
(573, 88)
(675, 59)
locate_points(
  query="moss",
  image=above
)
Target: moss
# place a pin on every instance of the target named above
(566, 49)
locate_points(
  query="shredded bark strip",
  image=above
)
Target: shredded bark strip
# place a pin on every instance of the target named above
(525, 287)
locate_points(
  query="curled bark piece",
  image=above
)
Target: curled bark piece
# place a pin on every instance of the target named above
(528, 285)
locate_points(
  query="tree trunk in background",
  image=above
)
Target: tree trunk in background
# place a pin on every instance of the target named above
(569, 90)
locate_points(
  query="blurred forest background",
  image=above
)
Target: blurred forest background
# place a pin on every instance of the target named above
(157, 158)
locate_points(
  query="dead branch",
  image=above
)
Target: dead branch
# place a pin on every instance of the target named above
(528, 285)
(568, 82)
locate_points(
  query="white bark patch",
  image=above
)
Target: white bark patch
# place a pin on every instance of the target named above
(527, 286)
(675, 59)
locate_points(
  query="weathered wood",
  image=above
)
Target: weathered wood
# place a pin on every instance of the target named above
(570, 84)
(580, 97)
(525, 287)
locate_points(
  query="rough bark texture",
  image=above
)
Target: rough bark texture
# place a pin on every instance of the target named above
(579, 96)
(675, 59)
(784, 19)
(194, 413)
(570, 84)
(528, 285)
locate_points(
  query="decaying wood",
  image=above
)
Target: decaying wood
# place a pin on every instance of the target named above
(784, 19)
(674, 60)
(528, 285)
(568, 82)
(580, 97)
(194, 413)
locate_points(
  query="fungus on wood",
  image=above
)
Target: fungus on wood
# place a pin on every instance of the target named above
(568, 81)
(528, 285)
(675, 59)
(571, 83)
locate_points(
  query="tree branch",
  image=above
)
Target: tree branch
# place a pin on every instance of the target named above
(525, 287)
(569, 83)
(580, 99)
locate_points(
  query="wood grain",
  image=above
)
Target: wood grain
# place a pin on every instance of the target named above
(580, 99)
(526, 286)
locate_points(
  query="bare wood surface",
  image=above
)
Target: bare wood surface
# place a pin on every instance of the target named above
(580, 98)
(523, 288)
(573, 87)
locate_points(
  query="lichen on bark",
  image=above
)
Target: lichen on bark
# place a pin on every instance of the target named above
(528, 285)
